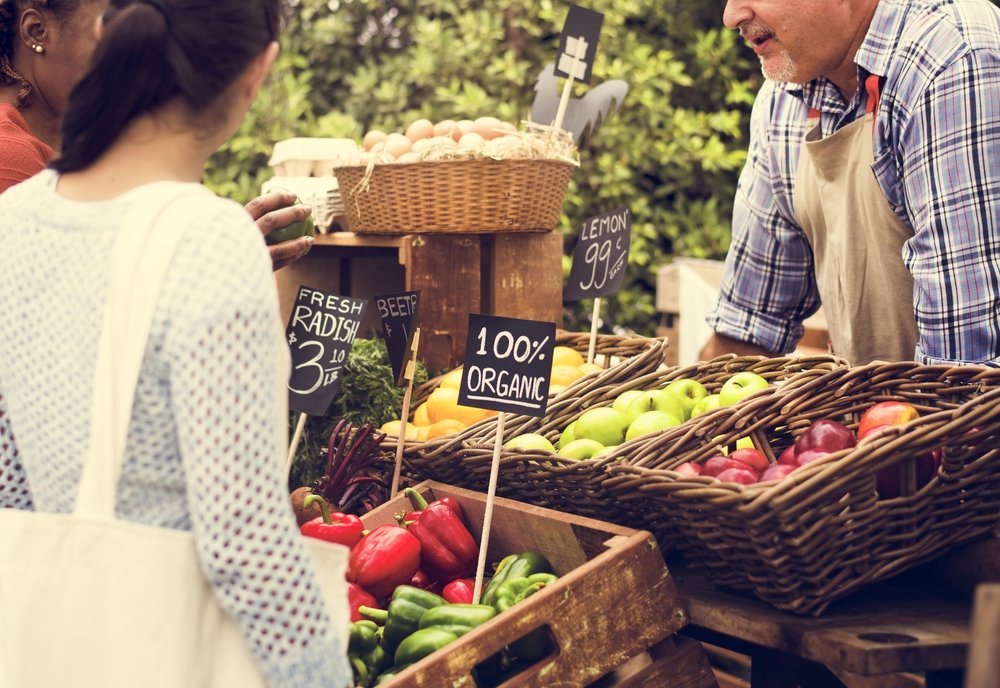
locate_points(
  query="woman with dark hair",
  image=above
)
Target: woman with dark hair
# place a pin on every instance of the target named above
(170, 81)
(45, 47)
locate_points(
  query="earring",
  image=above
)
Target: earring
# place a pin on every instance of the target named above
(37, 48)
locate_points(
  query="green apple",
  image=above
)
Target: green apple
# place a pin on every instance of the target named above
(709, 403)
(622, 401)
(654, 400)
(568, 435)
(688, 392)
(581, 449)
(295, 230)
(740, 386)
(531, 441)
(606, 453)
(651, 421)
(602, 424)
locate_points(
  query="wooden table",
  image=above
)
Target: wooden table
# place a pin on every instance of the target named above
(515, 274)
(890, 627)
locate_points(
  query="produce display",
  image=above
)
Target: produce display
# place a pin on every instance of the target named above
(410, 594)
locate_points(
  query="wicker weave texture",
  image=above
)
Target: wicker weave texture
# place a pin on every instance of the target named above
(465, 458)
(479, 195)
(823, 532)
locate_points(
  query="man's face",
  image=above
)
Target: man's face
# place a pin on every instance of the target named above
(795, 40)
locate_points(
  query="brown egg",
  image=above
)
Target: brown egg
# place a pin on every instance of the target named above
(487, 127)
(420, 129)
(408, 157)
(397, 144)
(372, 137)
(462, 127)
(445, 127)
(471, 141)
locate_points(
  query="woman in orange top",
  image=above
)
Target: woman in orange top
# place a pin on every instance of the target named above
(45, 48)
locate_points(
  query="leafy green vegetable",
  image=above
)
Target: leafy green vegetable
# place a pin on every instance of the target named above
(368, 394)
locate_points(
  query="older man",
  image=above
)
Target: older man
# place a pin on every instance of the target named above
(872, 184)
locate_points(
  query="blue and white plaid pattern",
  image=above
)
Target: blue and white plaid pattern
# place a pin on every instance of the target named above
(937, 160)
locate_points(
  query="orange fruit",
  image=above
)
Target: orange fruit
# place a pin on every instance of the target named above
(422, 431)
(452, 379)
(420, 415)
(566, 355)
(565, 374)
(441, 404)
(392, 428)
(444, 427)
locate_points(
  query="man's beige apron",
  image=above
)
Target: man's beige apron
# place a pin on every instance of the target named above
(857, 243)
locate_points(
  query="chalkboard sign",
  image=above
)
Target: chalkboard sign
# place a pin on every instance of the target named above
(508, 364)
(399, 317)
(320, 334)
(601, 255)
(579, 35)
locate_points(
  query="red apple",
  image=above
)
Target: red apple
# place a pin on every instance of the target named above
(788, 457)
(886, 413)
(828, 435)
(688, 469)
(810, 455)
(776, 472)
(889, 481)
(742, 476)
(717, 464)
(752, 457)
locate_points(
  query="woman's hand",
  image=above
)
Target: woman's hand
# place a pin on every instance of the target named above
(275, 211)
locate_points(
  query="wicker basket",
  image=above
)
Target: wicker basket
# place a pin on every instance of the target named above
(457, 459)
(822, 532)
(466, 196)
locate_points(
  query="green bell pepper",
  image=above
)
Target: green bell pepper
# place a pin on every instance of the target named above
(402, 618)
(457, 618)
(514, 566)
(534, 645)
(421, 643)
(514, 590)
(366, 656)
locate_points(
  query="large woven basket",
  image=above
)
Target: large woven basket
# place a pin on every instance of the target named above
(468, 196)
(457, 459)
(578, 486)
(823, 532)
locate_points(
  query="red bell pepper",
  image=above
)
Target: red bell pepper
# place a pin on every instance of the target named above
(343, 529)
(459, 591)
(359, 597)
(384, 558)
(425, 582)
(447, 548)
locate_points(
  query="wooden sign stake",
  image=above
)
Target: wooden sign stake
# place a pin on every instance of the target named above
(578, 55)
(299, 427)
(594, 321)
(488, 516)
(408, 375)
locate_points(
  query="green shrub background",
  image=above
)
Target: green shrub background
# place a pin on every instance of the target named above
(672, 153)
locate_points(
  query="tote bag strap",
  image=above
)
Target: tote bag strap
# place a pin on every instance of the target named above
(140, 257)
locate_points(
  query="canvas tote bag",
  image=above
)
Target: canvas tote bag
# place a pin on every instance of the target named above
(91, 601)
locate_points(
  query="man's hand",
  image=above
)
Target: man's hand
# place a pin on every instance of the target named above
(719, 345)
(277, 210)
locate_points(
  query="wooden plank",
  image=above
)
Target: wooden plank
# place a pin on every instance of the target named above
(350, 240)
(523, 275)
(677, 662)
(612, 602)
(984, 654)
(887, 628)
(446, 270)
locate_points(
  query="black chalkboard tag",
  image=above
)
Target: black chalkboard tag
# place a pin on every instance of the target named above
(578, 43)
(508, 364)
(320, 334)
(399, 318)
(601, 255)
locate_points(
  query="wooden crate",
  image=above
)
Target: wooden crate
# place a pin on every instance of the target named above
(614, 601)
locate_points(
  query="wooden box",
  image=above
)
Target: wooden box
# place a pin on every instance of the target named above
(614, 600)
